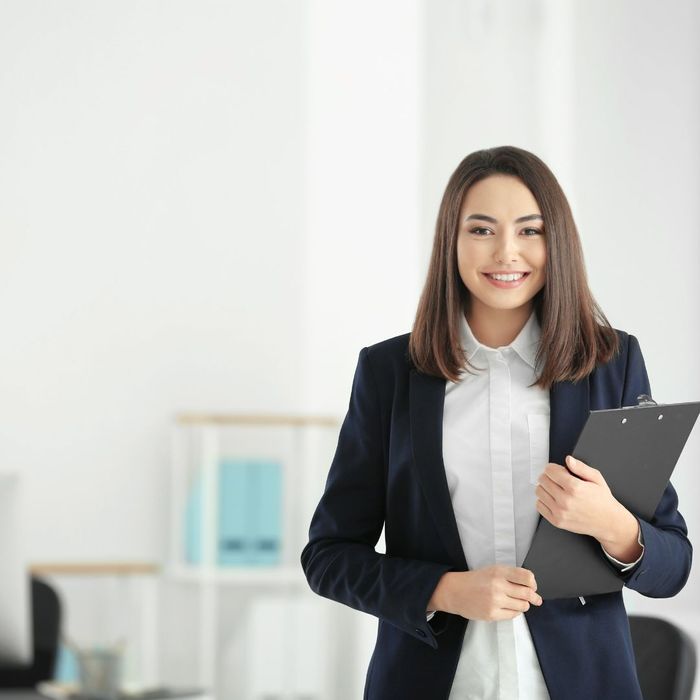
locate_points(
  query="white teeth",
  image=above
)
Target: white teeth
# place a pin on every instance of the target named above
(507, 278)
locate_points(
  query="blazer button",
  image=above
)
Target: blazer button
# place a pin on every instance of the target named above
(420, 632)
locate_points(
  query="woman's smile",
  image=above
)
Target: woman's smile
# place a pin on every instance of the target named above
(506, 284)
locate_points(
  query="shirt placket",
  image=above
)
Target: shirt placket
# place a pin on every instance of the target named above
(503, 508)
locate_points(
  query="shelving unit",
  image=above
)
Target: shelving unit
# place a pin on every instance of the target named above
(305, 446)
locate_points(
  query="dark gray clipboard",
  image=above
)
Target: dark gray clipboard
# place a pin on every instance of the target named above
(636, 448)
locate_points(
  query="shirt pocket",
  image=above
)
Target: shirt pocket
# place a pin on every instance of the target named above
(538, 432)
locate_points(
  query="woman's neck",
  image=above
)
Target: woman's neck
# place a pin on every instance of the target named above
(497, 327)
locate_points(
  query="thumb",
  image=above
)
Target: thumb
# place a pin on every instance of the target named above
(581, 469)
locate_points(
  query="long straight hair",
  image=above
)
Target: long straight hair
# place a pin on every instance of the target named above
(575, 336)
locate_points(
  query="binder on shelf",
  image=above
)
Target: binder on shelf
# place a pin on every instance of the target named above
(291, 662)
(266, 495)
(193, 522)
(235, 512)
(249, 524)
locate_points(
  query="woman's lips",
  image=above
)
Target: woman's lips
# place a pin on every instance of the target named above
(506, 285)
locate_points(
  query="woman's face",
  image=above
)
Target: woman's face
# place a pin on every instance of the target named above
(501, 230)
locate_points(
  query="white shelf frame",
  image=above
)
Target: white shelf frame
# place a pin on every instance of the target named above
(208, 576)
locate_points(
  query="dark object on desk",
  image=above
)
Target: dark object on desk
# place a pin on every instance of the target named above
(46, 625)
(636, 449)
(665, 656)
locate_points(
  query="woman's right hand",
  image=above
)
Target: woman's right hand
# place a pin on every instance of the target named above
(495, 592)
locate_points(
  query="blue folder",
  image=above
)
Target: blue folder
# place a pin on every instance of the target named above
(249, 527)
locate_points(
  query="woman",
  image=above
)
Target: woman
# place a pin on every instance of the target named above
(455, 441)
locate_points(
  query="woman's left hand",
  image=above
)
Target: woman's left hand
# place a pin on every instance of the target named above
(581, 503)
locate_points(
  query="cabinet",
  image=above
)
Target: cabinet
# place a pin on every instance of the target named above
(258, 622)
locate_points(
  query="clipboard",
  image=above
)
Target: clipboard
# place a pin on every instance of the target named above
(636, 448)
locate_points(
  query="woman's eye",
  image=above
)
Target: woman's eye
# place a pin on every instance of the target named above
(534, 231)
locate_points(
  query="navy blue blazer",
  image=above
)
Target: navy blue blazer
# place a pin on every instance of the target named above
(388, 472)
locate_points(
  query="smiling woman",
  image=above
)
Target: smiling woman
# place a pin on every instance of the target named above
(455, 442)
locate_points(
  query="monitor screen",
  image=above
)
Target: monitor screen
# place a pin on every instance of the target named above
(16, 644)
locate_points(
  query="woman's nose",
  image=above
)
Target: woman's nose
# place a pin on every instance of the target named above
(506, 247)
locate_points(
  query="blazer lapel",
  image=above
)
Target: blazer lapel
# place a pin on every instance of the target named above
(569, 407)
(426, 404)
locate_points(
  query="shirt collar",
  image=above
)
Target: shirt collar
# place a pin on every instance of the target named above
(525, 344)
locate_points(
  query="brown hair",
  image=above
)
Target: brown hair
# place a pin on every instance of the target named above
(575, 332)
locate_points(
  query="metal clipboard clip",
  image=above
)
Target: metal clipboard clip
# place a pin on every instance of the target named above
(642, 401)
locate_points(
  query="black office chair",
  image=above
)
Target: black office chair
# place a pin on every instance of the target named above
(46, 625)
(665, 657)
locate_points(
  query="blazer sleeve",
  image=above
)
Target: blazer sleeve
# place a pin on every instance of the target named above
(665, 564)
(339, 560)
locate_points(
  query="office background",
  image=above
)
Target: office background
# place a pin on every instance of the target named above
(213, 206)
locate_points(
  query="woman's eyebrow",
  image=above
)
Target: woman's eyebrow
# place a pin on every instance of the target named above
(483, 217)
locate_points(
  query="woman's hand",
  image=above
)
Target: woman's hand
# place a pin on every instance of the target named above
(495, 592)
(582, 503)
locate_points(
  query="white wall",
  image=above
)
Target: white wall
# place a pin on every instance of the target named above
(363, 139)
(153, 197)
(362, 239)
(151, 227)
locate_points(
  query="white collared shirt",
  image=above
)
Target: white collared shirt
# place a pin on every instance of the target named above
(495, 446)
